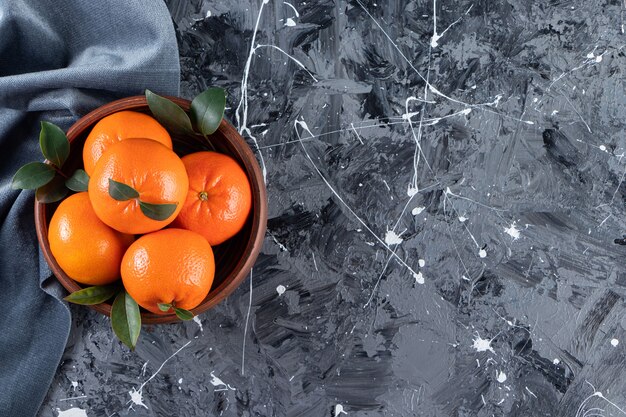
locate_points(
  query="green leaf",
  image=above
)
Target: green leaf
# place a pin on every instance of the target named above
(79, 181)
(207, 110)
(164, 306)
(157, 211)
(169, 114)
(120, 191)
(53, 191)
(54, 143)
(183, 314)
(32, 175)
(126, 319)
(93, 295)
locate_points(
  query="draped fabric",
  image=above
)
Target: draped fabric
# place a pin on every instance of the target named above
(59, 59)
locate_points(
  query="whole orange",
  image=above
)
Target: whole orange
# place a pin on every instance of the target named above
(219, 198)
(88, 250)
(172, 266)
(119, 126)
(155, 172)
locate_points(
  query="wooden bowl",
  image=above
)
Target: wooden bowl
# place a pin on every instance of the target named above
(233, 259)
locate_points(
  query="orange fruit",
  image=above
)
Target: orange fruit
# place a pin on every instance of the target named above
(172, 266)
(119, 126)
(88, 250)
(150, 168)
(219, 197)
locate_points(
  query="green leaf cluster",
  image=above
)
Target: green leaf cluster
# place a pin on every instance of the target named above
(125, 313)
(207, 111)
(123, 192)
(47, 178)
(181, 313)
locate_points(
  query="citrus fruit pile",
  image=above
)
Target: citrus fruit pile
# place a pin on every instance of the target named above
(148, 216)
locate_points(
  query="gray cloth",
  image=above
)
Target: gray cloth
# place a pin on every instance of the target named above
(59, 59)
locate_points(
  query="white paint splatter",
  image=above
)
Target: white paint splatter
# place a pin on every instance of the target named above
(339, 410)
(197, 320)
(530, 392)
(512, 231)
(408, 116)
(501, 377)
(74, 385)
(208, 14)
(241, 113)
(73, 398)
(281, 289)
(421, 263)
(359, 138)
(136, 394)
(419, 74)
(462, 219)
(280, 245)
(294, 9)
(72, 412)
(413, 187)
(217, 382)
(304, 126)
(482, 345)
(614, 342)
(136, 397)
(290, 22)
(556, 361)
(391, 238)
(603, 148)
(436, 36)
(419, 278)
(180, 381)
(245, 330)
(417, 210)
(496, 101)
(300, 64)
(581, 408)
(482, 253)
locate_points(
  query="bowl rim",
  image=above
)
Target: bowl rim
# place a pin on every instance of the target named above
(259, 211)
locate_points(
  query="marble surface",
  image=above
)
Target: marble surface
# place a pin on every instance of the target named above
(446, 182)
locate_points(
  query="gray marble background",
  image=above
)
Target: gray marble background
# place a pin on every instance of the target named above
(445, 183)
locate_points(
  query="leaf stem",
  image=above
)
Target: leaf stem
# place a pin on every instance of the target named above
(165, 307)
(58, 170)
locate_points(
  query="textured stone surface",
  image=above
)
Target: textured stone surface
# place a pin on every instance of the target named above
(433, 249)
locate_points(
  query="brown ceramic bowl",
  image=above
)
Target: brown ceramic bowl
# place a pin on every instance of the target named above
(233, 259)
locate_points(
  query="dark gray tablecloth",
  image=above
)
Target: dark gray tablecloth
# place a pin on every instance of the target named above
(59, 59)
